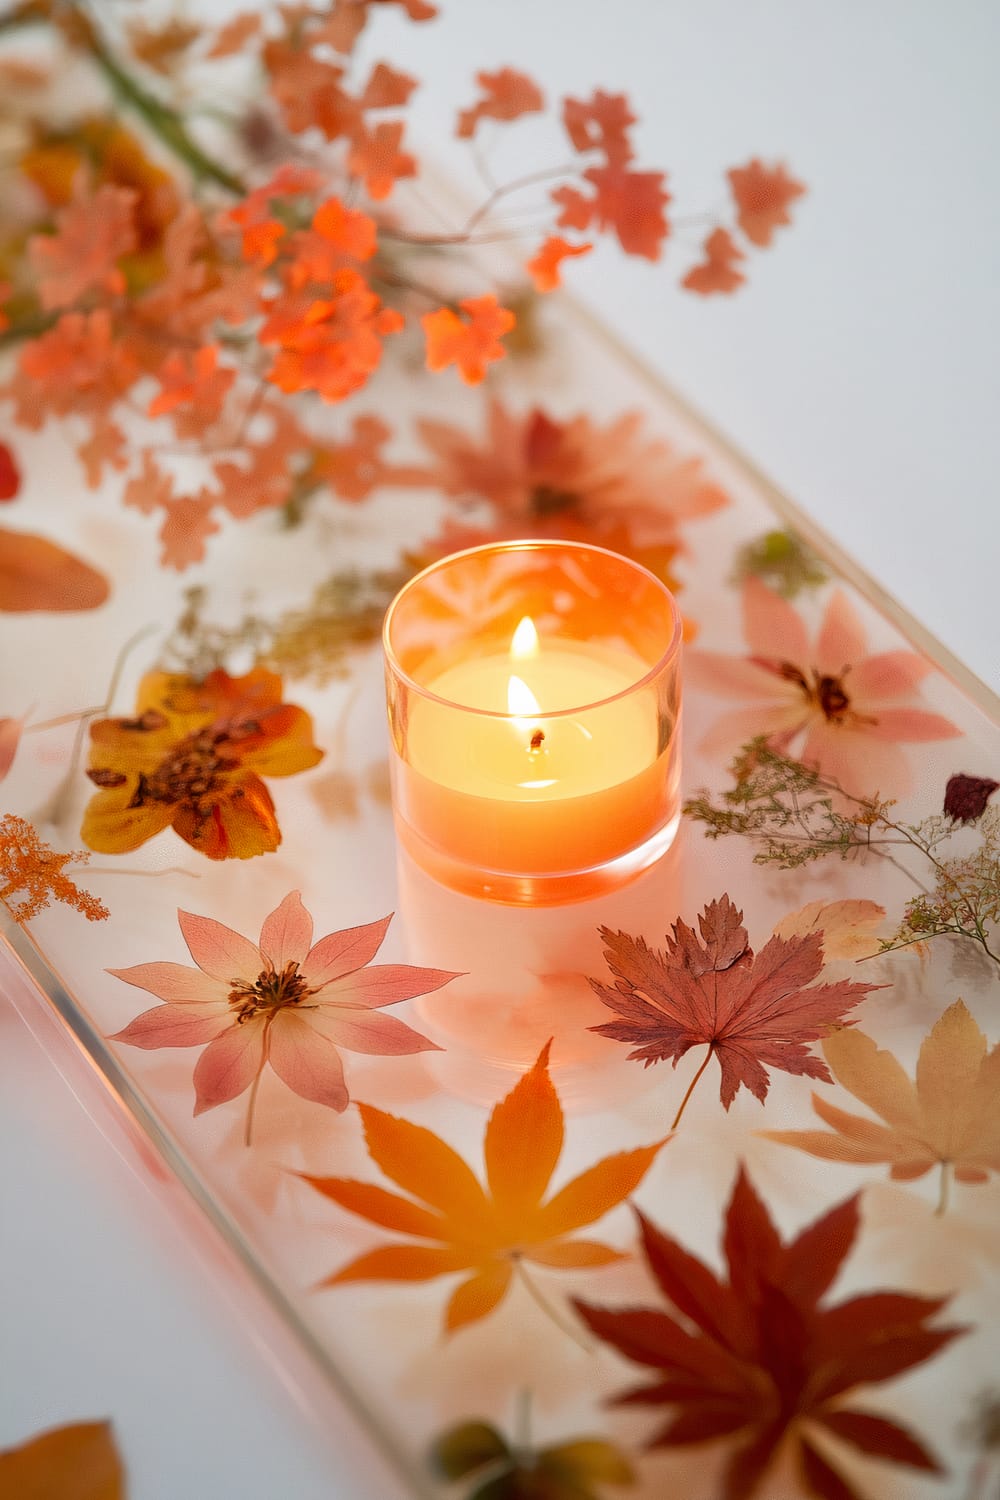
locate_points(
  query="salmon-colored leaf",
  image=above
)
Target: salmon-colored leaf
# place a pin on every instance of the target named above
(847, 928)
(544, 267)
(507, 94)
(470, 345)
(36, 574)
(762, 196)
(386, 88)
(489, 1232)
(752, 1011)
(376, 157)
(600, 123)
(630, 204)
(718, 272)
(76, 1462)
(236, 34)
(92, 234)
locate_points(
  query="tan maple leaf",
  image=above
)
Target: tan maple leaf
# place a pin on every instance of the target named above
(948, 1117)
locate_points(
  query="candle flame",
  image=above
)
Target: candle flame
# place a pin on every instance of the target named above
(524, 642)
(521, 701)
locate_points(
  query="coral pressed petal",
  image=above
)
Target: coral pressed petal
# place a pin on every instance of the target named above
(733, 729)
(737, 677)
(860, 764)
(286, 935)
(218, 951)
(773, 629)
(911, 726)
(173, 1026)
(359, 1031)
(111, 826)
(229, 1065)
(890, 674)
(307, 1061)
(176, 983)
(478, 1296)
(841, 641)
(384, 984)
(342, 952)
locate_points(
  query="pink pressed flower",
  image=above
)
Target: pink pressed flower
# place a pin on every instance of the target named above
(826, 702)
(285, 1001)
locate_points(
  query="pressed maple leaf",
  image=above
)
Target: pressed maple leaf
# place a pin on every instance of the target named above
(516, 1471)
(949, 1117)
(36, 574)
(10, 475)
(762, 1356)
(632, 204)
(718, 272)
(346, 21)
(162, 47)
(387, 88)
(600, 123)
(752, 1011)
(376, 157)
(762, 197)
(507, 94)
(236, 33)
(284, 1002)
(80, 363)
(490, 1231)
(544, 267)
(186, 527)
(32, 875)
(194, 388)
(347, 230)
(105, 448)
(151, 488)
(847, 928)
(470, 345)
(92, 234)
(76, 1462)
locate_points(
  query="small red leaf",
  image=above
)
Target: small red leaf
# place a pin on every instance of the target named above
(10, 477)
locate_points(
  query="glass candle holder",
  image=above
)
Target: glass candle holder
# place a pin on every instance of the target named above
(534, 700)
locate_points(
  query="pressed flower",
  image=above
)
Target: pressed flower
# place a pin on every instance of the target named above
(283, 1001)
(191, 759)
(827, 702)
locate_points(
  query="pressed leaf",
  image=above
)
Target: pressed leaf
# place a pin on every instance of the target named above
(36, 574)
(76, 1462)
(471, 345)
(506, 95)
(488, 1232)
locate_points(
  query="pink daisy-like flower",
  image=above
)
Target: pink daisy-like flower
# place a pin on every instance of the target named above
(826, 702)
(284, 1001)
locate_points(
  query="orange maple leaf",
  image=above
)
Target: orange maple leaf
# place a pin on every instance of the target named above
(150, 488)
(341, 29)
(329, 345)
(104, 448)
(631, 204)
(717, 272)
(386, 88)
(507, 94)
(347, 230)
(32, 875)
(186, 527)
(470, 345)
(193, 387)
(543, 268)
(79, 361)
(600, 123)
(762, 197)
(376, 157)
(309, 91)
(490, 1231)
(235, 34)
(92, 234)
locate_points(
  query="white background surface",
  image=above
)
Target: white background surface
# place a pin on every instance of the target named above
(857, 369)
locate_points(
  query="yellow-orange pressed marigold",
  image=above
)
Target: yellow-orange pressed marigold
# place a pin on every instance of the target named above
(192, 759)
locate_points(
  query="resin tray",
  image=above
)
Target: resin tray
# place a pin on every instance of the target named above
(851, 1359)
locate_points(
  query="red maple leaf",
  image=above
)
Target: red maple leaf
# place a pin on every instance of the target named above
(631, 204)
(762, 197)
(507, 94)
(470, 345)
(752, 1011)
(759, 1356)
(375, 156)
(10, 477)
(717, 272)
(544, 267)
(600, 123)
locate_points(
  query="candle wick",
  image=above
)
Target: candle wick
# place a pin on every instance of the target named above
(537, 740)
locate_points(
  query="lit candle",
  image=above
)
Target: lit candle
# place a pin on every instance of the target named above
(538, 762)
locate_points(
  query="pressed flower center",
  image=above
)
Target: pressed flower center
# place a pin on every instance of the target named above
(271, 991)
(546, 500)
(192, 770)
(825, 692)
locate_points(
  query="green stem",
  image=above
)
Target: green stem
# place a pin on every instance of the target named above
(542, 1302)
(691, 1085)
(161, 118)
